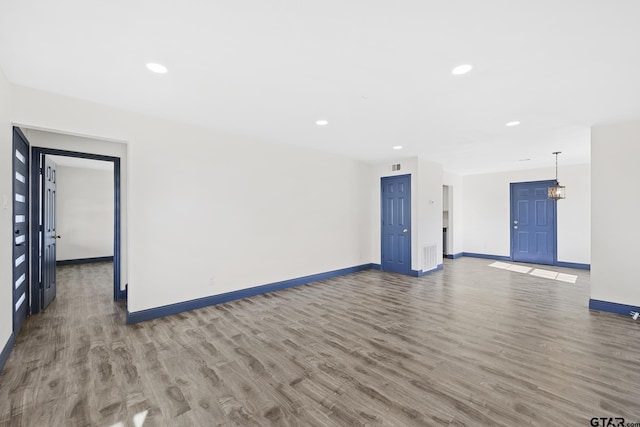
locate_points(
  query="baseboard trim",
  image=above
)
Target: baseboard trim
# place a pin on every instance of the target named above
(612, 307)
(6, 351)
(455, 256)
(84, 260)
(508, 258)
(156, 312)
(486, 256)
(414, 273)
(122, 294)
(573, 265)
(419, 273)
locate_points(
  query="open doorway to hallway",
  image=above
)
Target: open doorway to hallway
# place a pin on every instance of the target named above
(91, 207)
(92, 188)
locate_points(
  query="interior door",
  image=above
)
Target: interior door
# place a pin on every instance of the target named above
(21, 229)
(533, 223)
(396, 224)
(48, 227)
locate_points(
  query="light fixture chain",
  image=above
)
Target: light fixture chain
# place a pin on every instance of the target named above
(556, 154)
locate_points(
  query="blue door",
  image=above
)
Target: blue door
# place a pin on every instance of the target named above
(48, 227)
(20, 261)
(533, 223)
(396, 224)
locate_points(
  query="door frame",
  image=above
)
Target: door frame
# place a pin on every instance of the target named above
(555, 218)
(36, 152)
(382, 179)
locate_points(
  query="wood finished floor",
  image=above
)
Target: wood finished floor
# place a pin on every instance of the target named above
(470, 345)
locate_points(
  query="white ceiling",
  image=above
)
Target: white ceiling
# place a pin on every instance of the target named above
(378, 71)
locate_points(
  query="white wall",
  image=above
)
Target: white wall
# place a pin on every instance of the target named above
(430, 198)
(615, 150)
(81, 144)
(6, 212)
(487, 211)
(211, 213)
(84, 212)
(426, 206)
(455, 228)
(574, 217)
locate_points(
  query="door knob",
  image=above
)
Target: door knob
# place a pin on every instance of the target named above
(515, 227)
(58, 237)
(405, 230)
(515, 222)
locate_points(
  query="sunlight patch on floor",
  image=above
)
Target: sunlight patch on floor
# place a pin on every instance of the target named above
(538, 272)
(138, 420)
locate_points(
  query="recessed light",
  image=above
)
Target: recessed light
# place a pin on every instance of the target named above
(157, 68)
(461, 69)
(322, 122)
(397, 147)
(511, 124)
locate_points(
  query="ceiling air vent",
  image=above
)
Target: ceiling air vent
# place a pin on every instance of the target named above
(395, 167)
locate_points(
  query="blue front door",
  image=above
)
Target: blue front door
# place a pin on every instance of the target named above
(533, 223)
(396, 224)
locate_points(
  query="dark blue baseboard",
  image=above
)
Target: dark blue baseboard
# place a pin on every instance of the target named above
(455, 256)
(122, 294)
(154, 313)
(84, 260)
(508, 258)
(6, 351)
(612, 307)
(418, 273)
(486, 256)
(573, 265)
(414, 273)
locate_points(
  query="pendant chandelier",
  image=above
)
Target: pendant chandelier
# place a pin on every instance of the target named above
(557, 191)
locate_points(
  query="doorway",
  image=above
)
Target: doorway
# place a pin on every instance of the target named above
(447, 220)
(43, 210)
(533, 223)
(396, 223)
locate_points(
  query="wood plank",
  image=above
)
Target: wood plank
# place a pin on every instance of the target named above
(469, 345)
